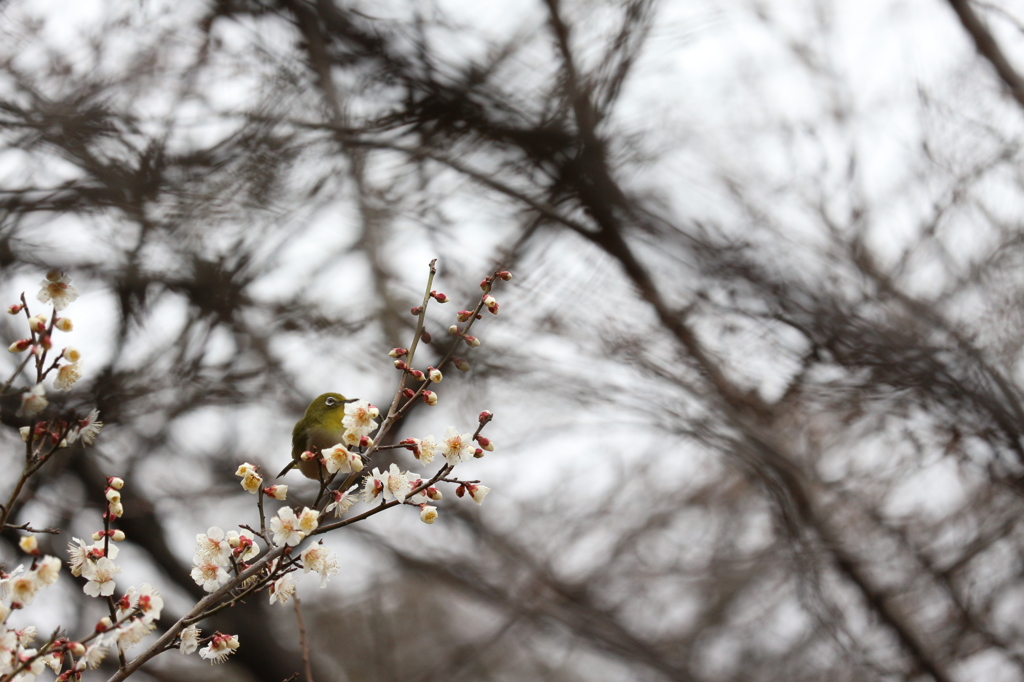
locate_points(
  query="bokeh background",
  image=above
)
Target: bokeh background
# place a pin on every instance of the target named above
(757, 381)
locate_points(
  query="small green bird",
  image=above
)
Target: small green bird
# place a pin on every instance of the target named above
(319, 428)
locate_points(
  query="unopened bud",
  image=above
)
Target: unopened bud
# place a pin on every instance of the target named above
(54, 276)
(433, 493)
(104, 624)
(29, 544)
(25, 432)
(46, 342)
(434, 374)
(464, 315)
(478, 453)
(76, 648)
(116, 510)
(117, 535)
(15, 309)
(485, 417)
(439, 297)
(307, 455)
(365, 441)
(398, 352)
(416, 374)
(417, 310)
(98, 535)
(428, 513)
(505, 275)
(20, 345)
(485, 285)
(37, 323)
(72, 354)
(278, 492)
(430, 398)
(115, 482)
(64, 324)
(454, 330)
(426, 336)
(471, 341)
(400, 364)
(408, 392)
(485, 443)
(112, 495)
(461, 364)
(460, 491)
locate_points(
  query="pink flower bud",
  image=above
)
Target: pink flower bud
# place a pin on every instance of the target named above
(426, 336)
(464, 315)
(505, 275)
(460, 491)
(104, 624)
(439, 297)
(430, 398)
(400, 364)
(471, 341)
(365, 441)
(408, 392)
(307, 455)
(98, 535)
(478, 453)
(485, 443)
(15, 309)
(461, 364)
(45, 342)
(416, 374)
(433, 493)
(398, 352)
(417, 310)
(485, 417)
(485, 285)
(20, 345)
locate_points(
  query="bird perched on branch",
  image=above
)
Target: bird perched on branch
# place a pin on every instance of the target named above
(320, 427)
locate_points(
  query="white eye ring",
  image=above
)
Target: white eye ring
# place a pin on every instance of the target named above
(330, 401)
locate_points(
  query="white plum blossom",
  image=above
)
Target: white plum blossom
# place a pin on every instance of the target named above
(251, 479)
(308, 521)
(87, 429)
(22, 587)
(343, 501)
(100, 575)
(189, 639)
(131, 634)
(209, 575)
(33, 401)
(397, 484)
(359, 420)
(285, 527)
(57, 289)
(48, 569)
(282, 589)
(458, 447)
(339, 458)
(67, 376)
(147, 600)
(320, 559)
(212, 548)
(428, 448)
(219, 648)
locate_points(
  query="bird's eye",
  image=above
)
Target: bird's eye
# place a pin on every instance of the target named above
(330, 402)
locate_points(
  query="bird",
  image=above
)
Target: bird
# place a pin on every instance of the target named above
(319, 428)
